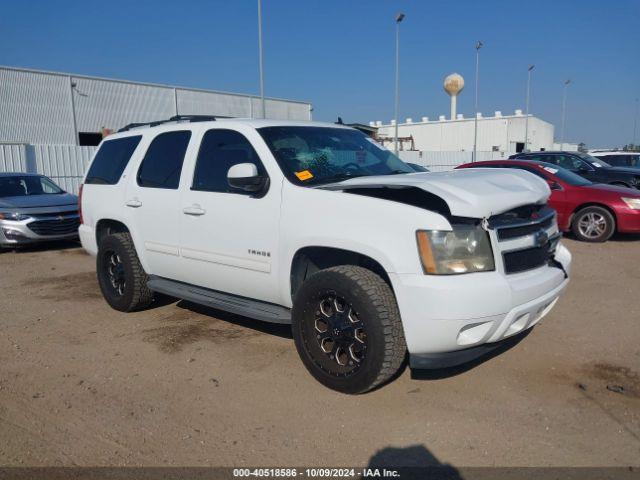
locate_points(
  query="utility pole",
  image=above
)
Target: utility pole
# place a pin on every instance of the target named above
(564, 108)
(76, 136)
(635, 127)
(526, 121)
(399, 18)
(479, 45)
(264, 111)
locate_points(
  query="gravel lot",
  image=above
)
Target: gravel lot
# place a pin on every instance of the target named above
(81, 384)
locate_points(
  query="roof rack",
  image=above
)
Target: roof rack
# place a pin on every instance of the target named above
(175, 118)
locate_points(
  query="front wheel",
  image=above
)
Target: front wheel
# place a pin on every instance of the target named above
(347, 329)
(122, 279)
(593, 224)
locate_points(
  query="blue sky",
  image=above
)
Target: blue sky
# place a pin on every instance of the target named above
(338, 54)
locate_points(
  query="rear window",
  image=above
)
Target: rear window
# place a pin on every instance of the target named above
(111, 160)
(162, 164)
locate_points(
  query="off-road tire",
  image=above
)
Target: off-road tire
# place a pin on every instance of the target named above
(600, 213)
(135, 295)
(373, 300)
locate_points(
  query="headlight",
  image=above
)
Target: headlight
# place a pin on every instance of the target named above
(13, 216)
(633, 203)
(466, 249)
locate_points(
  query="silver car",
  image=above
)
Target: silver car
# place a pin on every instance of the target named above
(34, 209)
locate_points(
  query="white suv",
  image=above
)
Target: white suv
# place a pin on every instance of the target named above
(317, 226)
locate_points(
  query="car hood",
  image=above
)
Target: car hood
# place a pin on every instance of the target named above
(28, 202)
(475, 193)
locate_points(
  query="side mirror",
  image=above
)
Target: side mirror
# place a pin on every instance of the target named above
(584, 168)
(244, 176)
(555, 185)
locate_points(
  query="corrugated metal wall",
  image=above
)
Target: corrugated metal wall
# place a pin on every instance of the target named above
(114, 104)
(13, 158)
(37, 107)
(64, 164)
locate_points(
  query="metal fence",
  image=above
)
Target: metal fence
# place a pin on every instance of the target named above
(445, 161)
(64, 164)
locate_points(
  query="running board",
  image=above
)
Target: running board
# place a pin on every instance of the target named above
(267, 312)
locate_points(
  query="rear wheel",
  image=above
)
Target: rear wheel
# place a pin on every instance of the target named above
(593, 224)
(347, 329)
(122, 279)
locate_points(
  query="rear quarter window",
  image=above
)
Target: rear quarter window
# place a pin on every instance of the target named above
(111, 160)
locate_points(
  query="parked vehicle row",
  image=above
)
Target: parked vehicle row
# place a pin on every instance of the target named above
(317, 226)
(593, 169)
(592, 211)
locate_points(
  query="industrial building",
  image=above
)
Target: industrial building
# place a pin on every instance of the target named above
(504, 134)
(498, 133)
(39, 107)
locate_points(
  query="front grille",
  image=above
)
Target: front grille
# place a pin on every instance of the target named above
(55, 227)
(523, 231)
(55, 215)
(527, 259)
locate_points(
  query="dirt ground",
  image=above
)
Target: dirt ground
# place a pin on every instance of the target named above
(81, 384)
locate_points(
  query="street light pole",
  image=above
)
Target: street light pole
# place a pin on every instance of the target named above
(564, 106)
(526, 121)
(635, 126)
(399, 18)
(479, 45)
(264, 112)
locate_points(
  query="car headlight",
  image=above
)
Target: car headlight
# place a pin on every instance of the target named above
(465, 249)
(13, 216)
(633, 203)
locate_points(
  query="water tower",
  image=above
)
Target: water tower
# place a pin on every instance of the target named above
(453, 85)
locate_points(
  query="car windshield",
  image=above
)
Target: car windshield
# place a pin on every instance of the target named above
(565, 175)
(26, 185)
(596, 162)
(321, 155)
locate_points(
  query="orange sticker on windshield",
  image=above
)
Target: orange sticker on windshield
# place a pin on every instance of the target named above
(304, 175)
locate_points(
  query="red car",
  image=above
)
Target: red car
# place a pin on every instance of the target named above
(592, 211)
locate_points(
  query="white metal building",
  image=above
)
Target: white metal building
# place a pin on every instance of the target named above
(499, 133)
(39, 107)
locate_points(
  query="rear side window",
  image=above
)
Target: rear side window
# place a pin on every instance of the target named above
(111, 160)
(219, 151)
(162, 163)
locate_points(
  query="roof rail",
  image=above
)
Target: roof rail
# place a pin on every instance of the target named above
(175, 118)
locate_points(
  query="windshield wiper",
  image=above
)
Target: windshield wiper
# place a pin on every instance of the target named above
(340, 177)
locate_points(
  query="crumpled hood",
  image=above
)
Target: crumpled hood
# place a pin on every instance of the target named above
(26, 202)
(473, 192)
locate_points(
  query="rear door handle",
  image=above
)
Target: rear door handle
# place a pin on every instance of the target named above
(195, 210)
(134, 203)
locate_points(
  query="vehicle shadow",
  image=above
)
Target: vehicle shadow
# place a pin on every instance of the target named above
(277, 329)
(284, 331)
(625, 237)
(442, 373)
(412, 462)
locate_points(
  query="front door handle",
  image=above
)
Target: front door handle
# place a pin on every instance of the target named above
(134, 203)
(195, 210)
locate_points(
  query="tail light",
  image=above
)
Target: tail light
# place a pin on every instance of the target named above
(80, 203)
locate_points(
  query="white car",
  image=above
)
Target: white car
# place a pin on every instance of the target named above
(315, 225)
